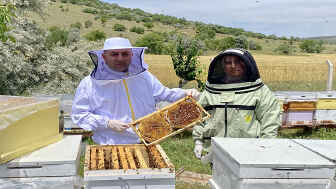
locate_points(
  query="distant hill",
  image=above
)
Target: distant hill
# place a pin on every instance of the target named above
(330, 39)
(104, 16)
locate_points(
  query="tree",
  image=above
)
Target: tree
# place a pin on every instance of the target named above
(241, 42)
(6, 15)
(311, 46)
(185, 58)
(154, 41)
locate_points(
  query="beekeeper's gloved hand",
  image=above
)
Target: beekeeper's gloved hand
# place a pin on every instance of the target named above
(117, 125)
(198, 149)
(193, 92)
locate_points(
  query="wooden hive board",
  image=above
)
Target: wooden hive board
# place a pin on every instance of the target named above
(160, 125)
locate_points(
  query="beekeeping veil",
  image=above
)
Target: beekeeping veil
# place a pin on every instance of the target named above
(103, 72)
(217, 75)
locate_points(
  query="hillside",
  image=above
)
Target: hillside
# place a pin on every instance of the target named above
(104, 16)
(329, 39)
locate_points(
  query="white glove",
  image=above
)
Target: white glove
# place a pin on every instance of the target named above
(117, 125)
(198, 149)
(193, 93)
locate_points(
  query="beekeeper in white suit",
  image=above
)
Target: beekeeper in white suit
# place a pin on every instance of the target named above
(119, 90)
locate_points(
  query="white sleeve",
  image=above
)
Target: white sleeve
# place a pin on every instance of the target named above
(81, 110)
(162, 93)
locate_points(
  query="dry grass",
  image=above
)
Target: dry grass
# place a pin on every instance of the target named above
(308, 72)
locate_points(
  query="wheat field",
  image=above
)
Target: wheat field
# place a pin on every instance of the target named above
(308, 72)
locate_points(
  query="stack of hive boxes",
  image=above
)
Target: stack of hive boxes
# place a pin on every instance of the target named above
(300, 108)
(33, 152)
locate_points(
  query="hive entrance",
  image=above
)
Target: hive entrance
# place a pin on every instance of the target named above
(125, 157)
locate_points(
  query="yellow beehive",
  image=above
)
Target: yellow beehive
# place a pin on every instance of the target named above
(326, 104)
(27, 124)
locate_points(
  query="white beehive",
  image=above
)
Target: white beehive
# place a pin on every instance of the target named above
(301, 108)
(54, 166)
(128, 166)
(240, 163)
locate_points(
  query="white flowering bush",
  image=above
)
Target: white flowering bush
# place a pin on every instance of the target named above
(28, 66)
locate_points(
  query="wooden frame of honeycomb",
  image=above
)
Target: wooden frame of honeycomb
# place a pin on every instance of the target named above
(125, 157)
(160, 125)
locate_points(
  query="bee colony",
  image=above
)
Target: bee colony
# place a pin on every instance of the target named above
(129, 166)
(27, 124)
(169, 121)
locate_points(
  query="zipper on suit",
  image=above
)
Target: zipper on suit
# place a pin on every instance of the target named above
(225, 112)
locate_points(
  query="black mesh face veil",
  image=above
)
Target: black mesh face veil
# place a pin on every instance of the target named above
(217, 75)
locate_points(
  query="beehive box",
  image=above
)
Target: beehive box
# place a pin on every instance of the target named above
(27, 124)
(325, 114)
(53, 166)
(301, 108)
(128, 166)
(169, 121)
(242, 163)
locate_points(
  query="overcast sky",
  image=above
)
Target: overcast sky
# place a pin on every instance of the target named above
(299, 18)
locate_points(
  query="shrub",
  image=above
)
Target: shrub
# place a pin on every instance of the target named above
(76, 25)
(125, 16)
(311, 46)
(87, 23)
(90, 11)
(95, 35)
(138, 30)
(64, 1)
(119, 27)
(154, 41)
(56, 36)
(241, 42)
(284, 48)
(149, 25)
(252, 45)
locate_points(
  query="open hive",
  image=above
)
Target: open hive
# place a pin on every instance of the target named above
(126, 157)
(169, 121)
(134, 164)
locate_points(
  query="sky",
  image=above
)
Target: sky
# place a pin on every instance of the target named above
(298, 18)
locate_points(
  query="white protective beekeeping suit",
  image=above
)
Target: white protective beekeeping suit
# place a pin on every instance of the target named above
(110, 95)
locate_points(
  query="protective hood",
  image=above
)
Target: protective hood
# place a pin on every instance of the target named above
(216, 74)
(103, 72)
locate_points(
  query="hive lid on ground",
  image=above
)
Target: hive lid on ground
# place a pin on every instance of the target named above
(57, 159)
(270, 158)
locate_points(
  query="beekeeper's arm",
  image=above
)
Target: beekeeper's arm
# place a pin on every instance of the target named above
(198, 129)
(162, 93)
(268, 114)
(82, 114)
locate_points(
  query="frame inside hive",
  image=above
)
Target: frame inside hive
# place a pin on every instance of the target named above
(124, 157)
(169, 121)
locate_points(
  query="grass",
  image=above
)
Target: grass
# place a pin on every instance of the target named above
(180, 152)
